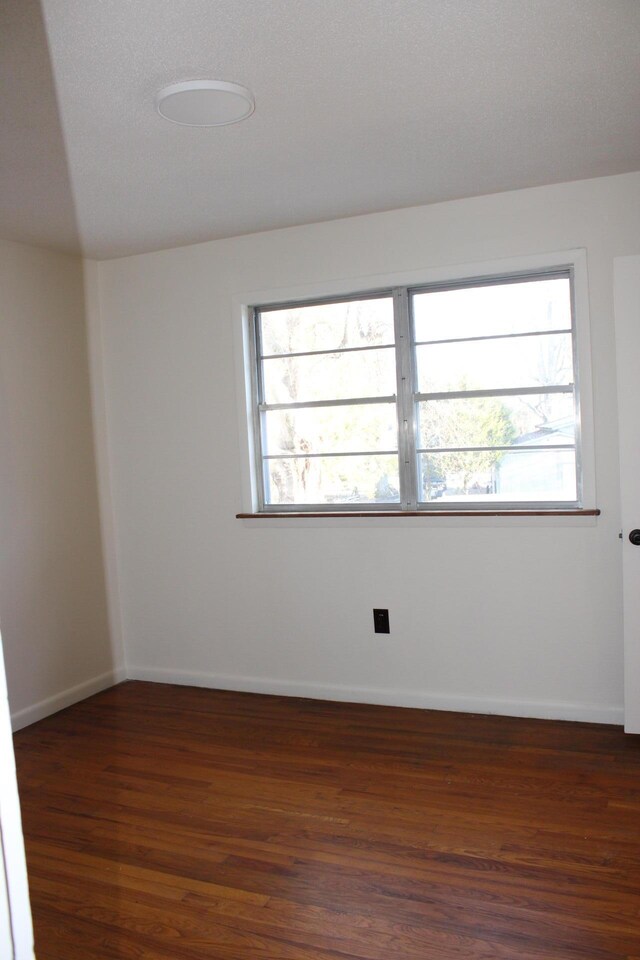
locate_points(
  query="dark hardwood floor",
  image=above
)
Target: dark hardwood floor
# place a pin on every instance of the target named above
(169, 822)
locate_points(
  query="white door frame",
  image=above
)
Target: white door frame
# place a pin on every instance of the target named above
(16, 932)
(626, 285)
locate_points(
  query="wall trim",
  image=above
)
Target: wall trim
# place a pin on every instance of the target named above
(458, 703)
(426, 700)
(66, 698)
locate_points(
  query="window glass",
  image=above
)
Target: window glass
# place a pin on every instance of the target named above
(330, 376)
(327, 326)
(344, 429)
(528, 361)
(333, 480)
(489, 476)
(533, 418)
(492, 310)
(494, 340)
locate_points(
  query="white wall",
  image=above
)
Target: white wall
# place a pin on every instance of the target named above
(52, 592)
(506, 616)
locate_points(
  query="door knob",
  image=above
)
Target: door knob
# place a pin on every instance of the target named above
(634, 537)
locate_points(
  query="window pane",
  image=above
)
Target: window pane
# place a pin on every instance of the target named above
(333, 376)
(331, 429)
(493, 310)
(492, 476)
(327, 326)
(496, 364)
(540, 419)
(326, 480)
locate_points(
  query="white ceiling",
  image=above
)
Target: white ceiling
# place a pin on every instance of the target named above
(361, 105)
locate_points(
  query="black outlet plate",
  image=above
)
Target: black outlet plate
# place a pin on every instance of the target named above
(381, 621)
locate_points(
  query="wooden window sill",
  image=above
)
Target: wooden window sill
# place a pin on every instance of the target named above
(350, 514)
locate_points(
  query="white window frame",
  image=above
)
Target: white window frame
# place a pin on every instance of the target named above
(401, 286)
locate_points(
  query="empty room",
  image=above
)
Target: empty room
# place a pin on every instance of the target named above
(320, 521)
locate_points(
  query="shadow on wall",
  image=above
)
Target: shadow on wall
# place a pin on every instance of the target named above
(53, 605)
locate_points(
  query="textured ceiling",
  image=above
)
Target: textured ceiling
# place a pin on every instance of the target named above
(36, 204)
(361, 105)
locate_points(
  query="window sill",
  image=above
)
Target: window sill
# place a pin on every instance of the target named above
(396, 514)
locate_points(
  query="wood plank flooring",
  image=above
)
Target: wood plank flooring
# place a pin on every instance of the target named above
(170, 822)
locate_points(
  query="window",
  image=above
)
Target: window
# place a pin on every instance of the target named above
(458, 395)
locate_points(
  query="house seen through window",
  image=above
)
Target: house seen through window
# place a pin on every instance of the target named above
(445, 396)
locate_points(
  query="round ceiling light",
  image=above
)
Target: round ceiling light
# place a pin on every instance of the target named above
(205, 103)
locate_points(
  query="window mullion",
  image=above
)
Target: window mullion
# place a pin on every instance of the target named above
(316, 404)
(577, 407)
(257, 390)
(405, 407)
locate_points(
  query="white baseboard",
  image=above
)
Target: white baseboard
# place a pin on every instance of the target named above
(38, 711)
(541, 709)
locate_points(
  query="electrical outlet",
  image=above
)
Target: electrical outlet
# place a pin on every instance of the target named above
(381, 621)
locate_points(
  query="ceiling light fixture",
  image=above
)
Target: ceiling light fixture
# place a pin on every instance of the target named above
(205, 103)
